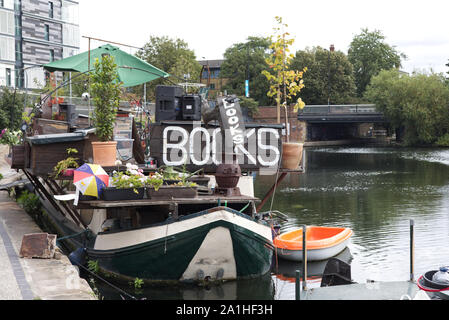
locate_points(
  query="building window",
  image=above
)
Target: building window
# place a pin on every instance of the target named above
(2, 3)
(8, 77)
(50, 9)
(212, 86)
(52, 55)
(47, 32)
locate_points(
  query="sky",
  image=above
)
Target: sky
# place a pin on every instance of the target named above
(419, 29)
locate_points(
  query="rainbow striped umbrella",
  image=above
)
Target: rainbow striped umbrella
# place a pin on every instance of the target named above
(90, 179)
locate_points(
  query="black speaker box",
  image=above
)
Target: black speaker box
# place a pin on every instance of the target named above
(168, 103)
(191, 107)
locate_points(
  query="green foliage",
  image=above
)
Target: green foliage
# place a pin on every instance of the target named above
(69, 162)
(1, 176)
(30, 202)
(93, 266)
(105, 88)
(324, 67)
(285, 82)
(11, 108)
(242, 57)
(170, 55)
(250, 104)
(138, 283)
(172, 173)
(48, 87)
(155, 181)
(418, 103)
(369, 54)
(79, 84)
(443, 141)
(9, 137)
(127, 180)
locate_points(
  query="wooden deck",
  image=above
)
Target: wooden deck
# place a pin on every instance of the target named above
(209, 199)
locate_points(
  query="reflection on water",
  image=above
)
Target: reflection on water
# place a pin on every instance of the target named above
(375, 192)
(261, 288)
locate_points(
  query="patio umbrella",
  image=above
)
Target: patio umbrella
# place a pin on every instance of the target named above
(132, 71)
(90, 179)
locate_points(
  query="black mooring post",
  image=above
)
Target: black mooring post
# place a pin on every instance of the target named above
(298, 285)
(304, 258)
(412, 250)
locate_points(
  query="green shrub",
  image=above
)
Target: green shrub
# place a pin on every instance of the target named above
(105, 87)
(443, 141)
(30, 202)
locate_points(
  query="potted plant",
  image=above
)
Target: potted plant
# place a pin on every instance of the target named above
(285, 84)
(181, 188)
(16, 152)
(66, 166)
(128, 185)
(106, 97)
(172, 175)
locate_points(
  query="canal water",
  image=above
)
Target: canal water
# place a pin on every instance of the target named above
(373, 191)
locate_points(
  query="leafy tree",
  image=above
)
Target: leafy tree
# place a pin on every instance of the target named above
(369, 54)
(79, 83)
(418, 103)
(172, 56)
(250, 104)
(11, 109)
(323, 68)
(238, 58)
(285, 83)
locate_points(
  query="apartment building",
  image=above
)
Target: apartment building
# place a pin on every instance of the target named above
(210, 76)
(33, 33)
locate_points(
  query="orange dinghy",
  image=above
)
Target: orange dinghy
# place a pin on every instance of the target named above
(322, 243)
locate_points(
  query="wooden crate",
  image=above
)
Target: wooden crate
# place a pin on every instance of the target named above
(18, 157)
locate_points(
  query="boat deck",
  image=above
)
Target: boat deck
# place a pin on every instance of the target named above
(209, 199)
(395, 290)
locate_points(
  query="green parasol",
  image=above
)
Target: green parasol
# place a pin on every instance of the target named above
(132, 71)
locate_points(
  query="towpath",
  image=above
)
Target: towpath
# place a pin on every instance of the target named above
(28, 279)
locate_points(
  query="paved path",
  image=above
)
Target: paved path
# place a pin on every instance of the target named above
(27, 279)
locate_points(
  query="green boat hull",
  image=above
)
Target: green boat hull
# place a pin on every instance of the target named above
(167, 258)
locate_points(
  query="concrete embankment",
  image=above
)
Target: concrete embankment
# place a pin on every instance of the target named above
(27, 279)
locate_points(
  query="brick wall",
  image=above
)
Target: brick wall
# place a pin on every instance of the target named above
(269, 115)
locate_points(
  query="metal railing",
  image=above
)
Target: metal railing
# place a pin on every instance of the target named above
(342, 108)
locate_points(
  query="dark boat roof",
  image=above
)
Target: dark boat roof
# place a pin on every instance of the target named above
(78, 135)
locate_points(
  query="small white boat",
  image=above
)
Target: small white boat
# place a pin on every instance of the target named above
(322, 243)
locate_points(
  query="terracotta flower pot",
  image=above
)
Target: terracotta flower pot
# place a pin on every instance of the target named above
(104, 153)
(291, 155)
